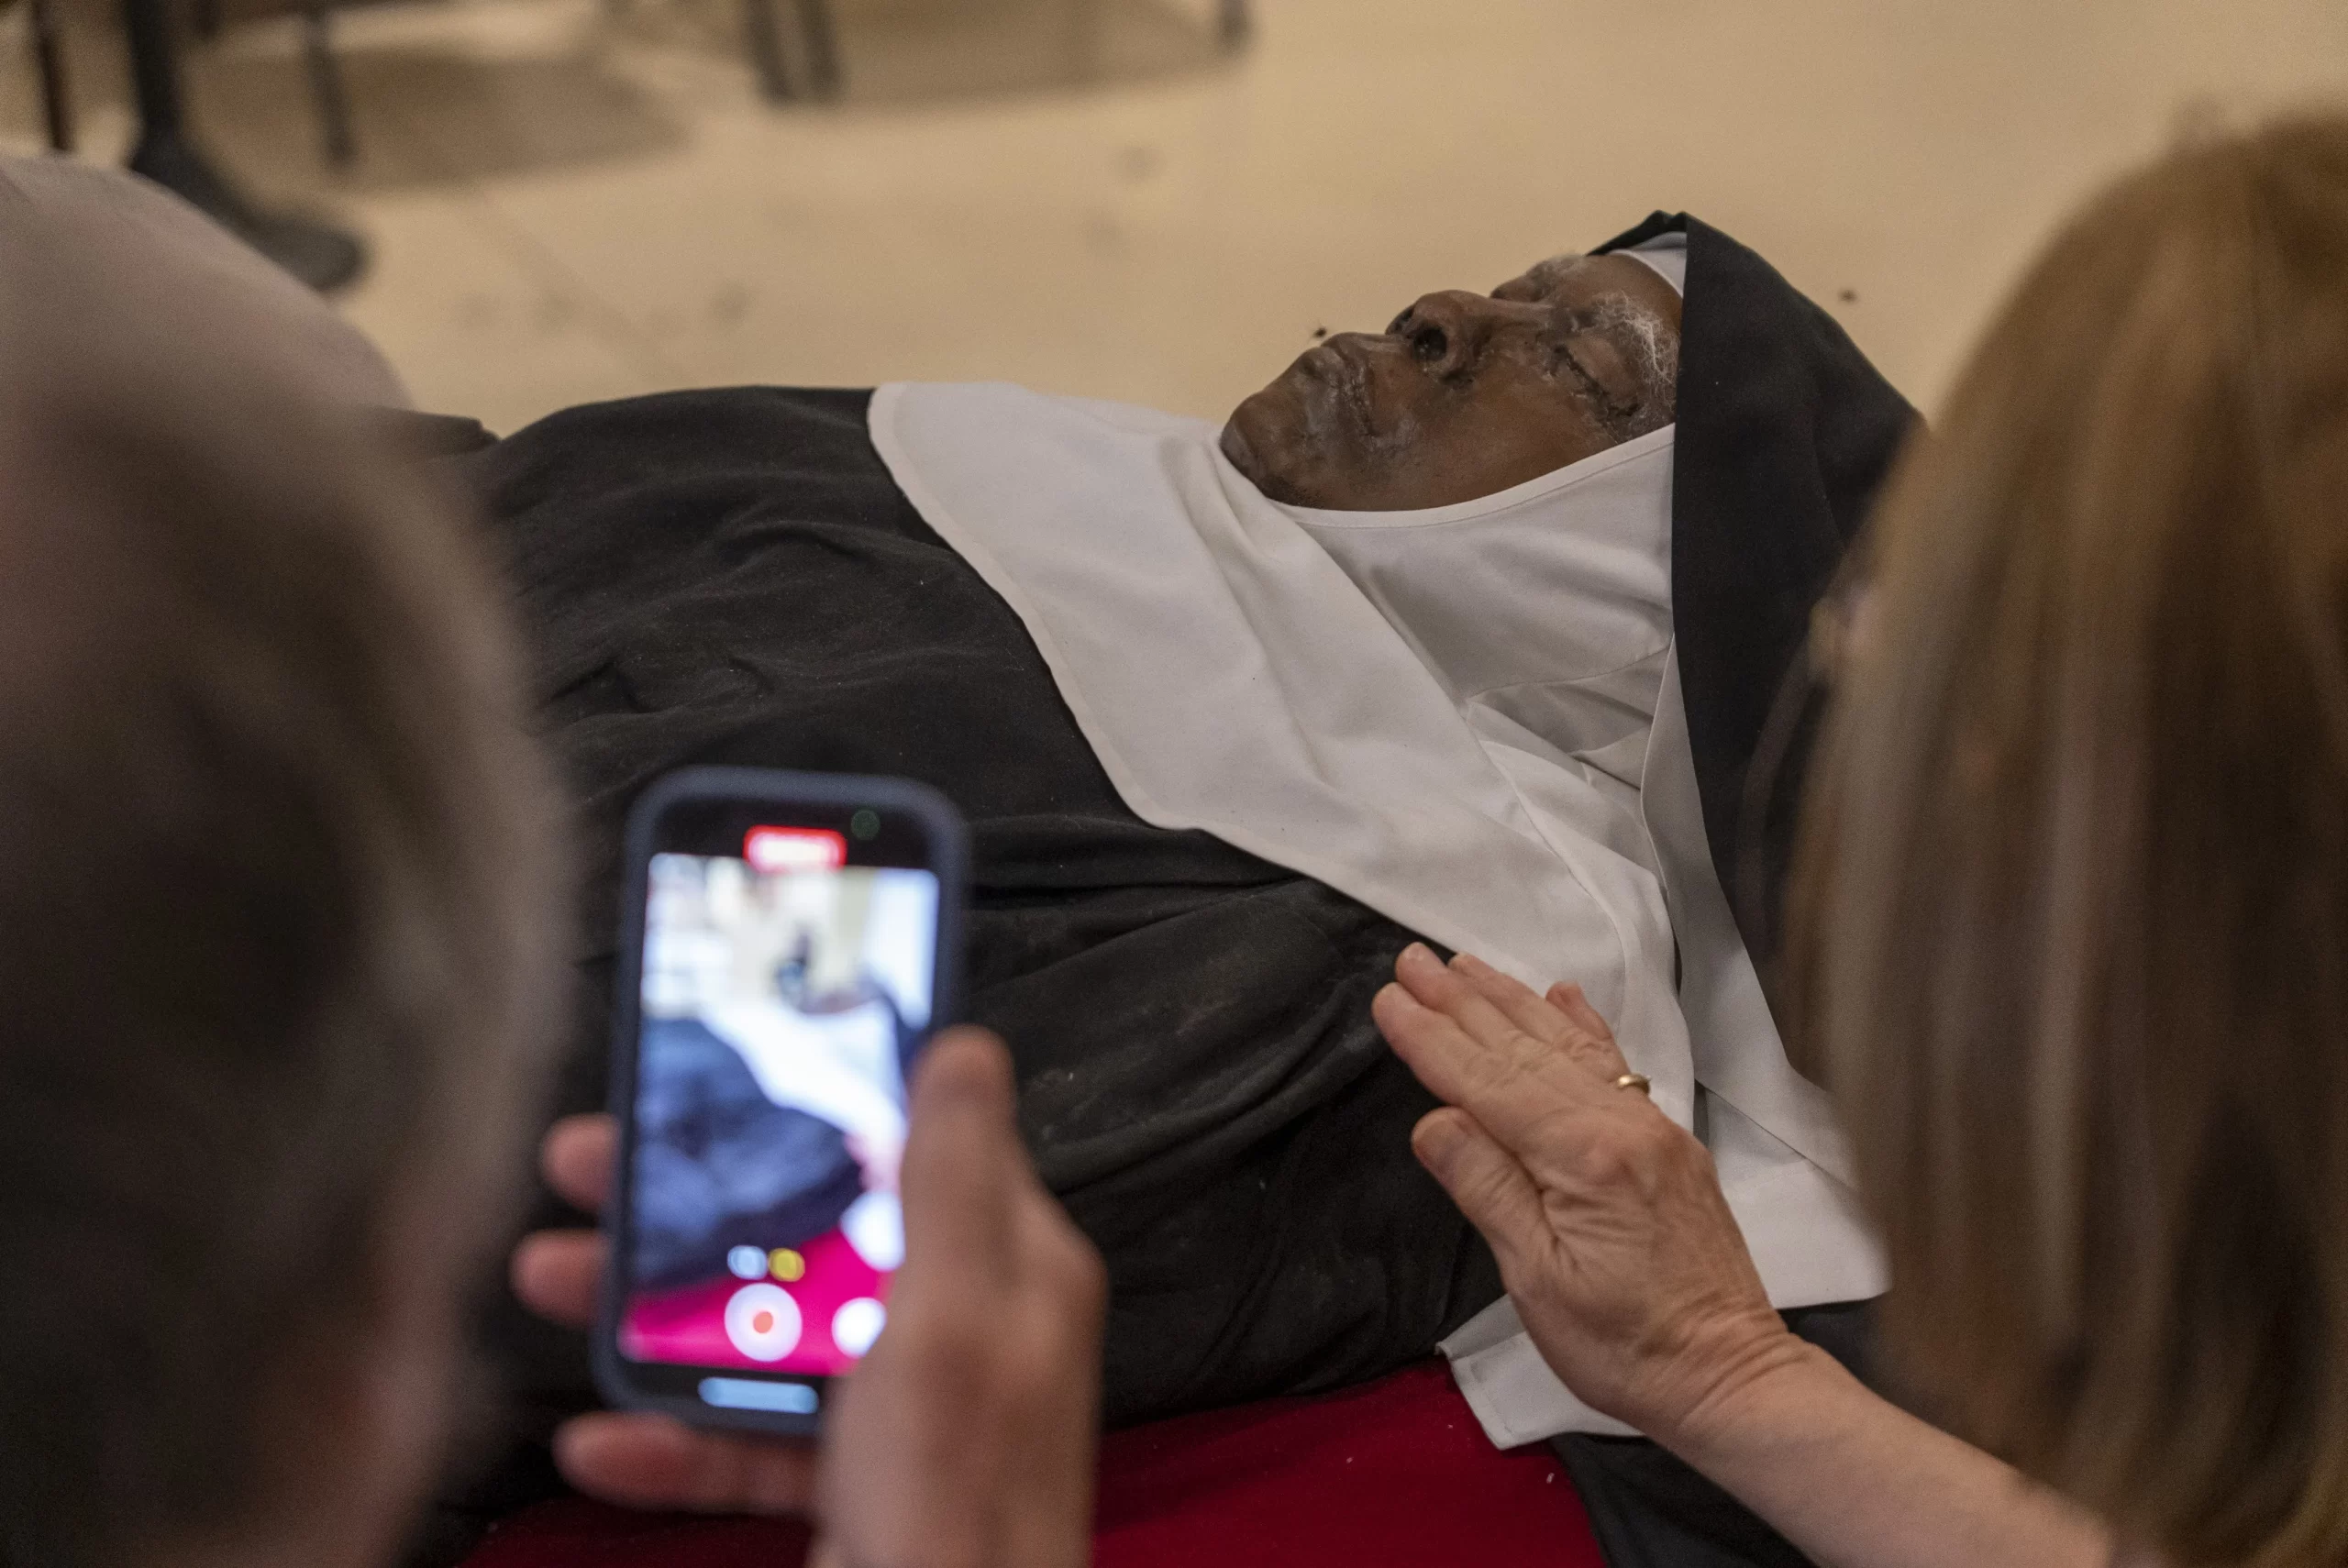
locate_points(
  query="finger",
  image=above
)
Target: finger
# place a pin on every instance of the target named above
(1438, 985)
(558, 1274)
(1495, 1087)
(1484, 1180)
(1531, 1013)
(1431, 1043)
(654, 1462)
(578, 1158)
(1568, 1000)
(963, 1162)
(1541, 1020)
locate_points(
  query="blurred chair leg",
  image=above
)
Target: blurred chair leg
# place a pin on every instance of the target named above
(823, 48)
(49, 55)
(1231, 23)
(764, 38)
(322, 257)
(341, 144)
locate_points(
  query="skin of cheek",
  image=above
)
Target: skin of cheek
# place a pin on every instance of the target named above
(1521, 423)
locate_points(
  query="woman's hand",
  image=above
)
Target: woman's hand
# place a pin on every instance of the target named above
(1618, 1246)
(1606, 1217)
(967, 1434)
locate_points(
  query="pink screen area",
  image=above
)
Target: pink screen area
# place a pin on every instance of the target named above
(686, 1327)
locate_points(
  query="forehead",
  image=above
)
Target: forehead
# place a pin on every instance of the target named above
(1547, 275)
(1573, 273)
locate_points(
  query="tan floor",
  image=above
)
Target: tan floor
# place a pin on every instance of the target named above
(572, 199)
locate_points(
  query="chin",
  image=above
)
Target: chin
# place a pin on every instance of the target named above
(1260, 439)
(1233, 442)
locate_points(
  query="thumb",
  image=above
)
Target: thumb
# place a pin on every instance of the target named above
(962, 1157)
(1484, 1180)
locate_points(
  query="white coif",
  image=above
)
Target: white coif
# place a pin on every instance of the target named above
(1457, 716)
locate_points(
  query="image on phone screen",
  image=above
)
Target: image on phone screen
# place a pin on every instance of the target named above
(784, 992)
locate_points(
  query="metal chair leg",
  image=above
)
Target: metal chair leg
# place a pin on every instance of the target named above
(49, 57)
(764, 40)
(823, 48)
(322, 257)
(339, 143)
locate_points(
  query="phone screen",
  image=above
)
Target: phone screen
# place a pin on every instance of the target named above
(784, 990)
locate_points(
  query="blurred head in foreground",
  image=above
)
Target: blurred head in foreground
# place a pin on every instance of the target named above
(2073, 917)
(274, 891)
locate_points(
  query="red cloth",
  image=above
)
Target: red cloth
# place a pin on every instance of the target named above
(1396, 1471)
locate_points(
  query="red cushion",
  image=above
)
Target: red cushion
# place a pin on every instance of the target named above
(1395, 1472)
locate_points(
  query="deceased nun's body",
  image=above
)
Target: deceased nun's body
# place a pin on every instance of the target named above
(1235, 714)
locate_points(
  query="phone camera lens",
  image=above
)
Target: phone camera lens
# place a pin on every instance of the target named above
(865, 823)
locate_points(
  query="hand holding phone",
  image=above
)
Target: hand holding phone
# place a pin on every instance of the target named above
(972, 1419)
(789, 941)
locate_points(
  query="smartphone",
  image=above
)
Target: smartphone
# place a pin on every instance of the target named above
(788, 943)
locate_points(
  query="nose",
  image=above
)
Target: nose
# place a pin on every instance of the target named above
(1447, 332)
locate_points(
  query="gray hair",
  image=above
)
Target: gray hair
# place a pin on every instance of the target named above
(1647, 342)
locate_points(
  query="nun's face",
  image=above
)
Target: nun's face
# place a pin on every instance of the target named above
(1466, 394)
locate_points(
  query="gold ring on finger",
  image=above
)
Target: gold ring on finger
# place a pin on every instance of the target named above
(1636, 1081)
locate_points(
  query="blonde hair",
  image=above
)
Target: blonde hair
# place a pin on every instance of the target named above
(2070, 925)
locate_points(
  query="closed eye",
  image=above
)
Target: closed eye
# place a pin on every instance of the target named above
(1580, 372)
